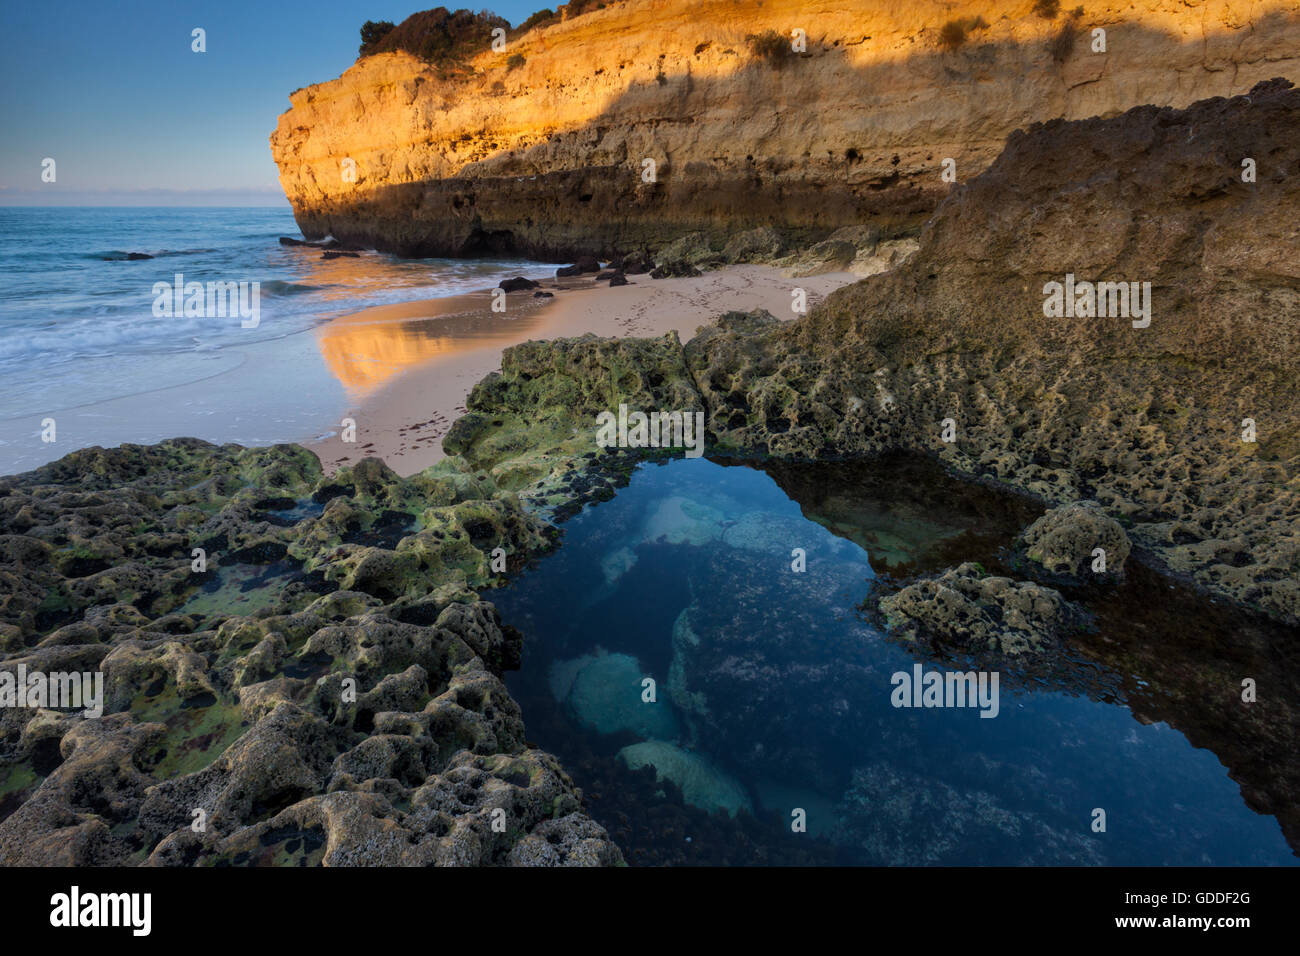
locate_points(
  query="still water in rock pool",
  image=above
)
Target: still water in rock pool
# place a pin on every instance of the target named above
(772, 689)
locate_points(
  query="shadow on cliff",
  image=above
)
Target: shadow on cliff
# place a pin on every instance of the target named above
(502, 205)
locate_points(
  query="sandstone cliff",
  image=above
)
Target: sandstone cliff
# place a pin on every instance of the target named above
(546, 158)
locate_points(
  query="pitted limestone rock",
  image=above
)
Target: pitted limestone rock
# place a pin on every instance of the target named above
(980, 612)
(1065, 540)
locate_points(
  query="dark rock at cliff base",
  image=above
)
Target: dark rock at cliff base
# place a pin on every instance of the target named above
(339, 255)
(517, 284)
(637, 265)
(581, 266)
(692, 251)
(607, 274)
(675, 270)
(755, 245)
(617, 279)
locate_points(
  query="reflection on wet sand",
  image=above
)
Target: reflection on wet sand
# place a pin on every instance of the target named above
(368, 349)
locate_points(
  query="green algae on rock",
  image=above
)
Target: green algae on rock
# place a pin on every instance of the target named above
(325, 688)
(1147, 422)
(1065, 542)
(981, 612)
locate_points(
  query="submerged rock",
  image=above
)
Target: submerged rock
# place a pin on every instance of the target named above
(679, 520)
(604, 692)
(617, 563)
(905, 819)
(771, 665)
(702, 784)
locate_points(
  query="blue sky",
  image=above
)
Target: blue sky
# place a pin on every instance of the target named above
(111, 90)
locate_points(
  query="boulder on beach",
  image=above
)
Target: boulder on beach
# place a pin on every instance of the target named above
(581, 266)
(635, 265)
(686, 257)
(517, 284)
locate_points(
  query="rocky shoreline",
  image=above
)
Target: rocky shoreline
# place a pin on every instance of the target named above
(1185, 432)
(327, 687)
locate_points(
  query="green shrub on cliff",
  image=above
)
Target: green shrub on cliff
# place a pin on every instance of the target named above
(438, 36)
(954, 33)
(1062, 45)
(770, 46)
(545, 15)
(576, 8)
(1047, 9)
(372, 31)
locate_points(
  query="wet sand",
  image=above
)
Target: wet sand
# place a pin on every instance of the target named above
(407, 369)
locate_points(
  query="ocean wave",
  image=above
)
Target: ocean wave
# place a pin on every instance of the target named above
(119, 255)
(281, 287)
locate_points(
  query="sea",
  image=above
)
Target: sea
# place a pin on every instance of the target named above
(81, 345)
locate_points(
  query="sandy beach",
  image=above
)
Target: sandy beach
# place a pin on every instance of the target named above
(408, 368)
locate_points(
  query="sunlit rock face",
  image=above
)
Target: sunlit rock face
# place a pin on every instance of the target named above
(549, 158)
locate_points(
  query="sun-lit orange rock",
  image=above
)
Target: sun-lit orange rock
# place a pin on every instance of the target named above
(547, 158)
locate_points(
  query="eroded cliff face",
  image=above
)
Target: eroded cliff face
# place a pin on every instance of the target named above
(548, 158)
